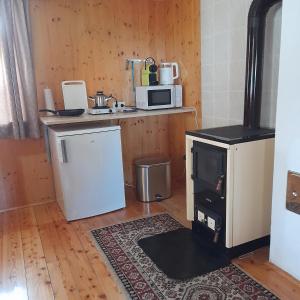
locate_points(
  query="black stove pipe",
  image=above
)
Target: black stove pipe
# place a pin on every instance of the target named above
(254, 61)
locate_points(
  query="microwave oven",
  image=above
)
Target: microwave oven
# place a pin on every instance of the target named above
(158, 97)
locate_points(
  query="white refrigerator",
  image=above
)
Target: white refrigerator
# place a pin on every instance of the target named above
(88, 169)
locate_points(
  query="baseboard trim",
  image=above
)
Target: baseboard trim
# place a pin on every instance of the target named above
(26, 206)
(248, 247)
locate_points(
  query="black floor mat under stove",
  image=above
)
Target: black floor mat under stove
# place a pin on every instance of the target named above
(181, 254)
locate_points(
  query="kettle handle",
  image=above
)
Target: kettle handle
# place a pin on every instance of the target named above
(176, 70)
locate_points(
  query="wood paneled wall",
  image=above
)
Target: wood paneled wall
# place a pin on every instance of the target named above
(90, 40)
(183, 46)
(25, 174)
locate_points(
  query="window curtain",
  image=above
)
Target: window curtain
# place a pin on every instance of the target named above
(18, 99)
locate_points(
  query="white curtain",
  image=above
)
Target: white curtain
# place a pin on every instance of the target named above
(18, 100)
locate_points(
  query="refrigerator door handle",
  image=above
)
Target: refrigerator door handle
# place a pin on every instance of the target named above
(63, 156)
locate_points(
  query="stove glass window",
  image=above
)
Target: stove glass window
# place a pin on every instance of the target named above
(209, 166)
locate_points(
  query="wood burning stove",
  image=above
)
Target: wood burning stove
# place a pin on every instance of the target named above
(230, 169)
(229, 188)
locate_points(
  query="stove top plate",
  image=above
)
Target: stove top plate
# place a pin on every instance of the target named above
(233, 134)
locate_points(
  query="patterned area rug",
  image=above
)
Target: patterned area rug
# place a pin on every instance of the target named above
(143, 280)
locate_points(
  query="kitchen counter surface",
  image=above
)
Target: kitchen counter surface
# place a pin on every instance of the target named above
(57, 120)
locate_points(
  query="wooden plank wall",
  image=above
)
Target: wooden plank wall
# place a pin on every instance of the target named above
(90, 40)
(183, 46)
(25, 175)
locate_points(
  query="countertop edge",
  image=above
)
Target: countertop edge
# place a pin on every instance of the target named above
(56, 120)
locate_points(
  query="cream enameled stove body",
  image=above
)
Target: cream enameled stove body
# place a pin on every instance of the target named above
(248, 188)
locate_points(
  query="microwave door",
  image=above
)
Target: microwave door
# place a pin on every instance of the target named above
(160, 98)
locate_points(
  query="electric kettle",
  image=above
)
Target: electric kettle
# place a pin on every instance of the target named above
(168, 72)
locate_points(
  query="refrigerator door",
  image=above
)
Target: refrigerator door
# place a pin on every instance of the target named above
(89, 173)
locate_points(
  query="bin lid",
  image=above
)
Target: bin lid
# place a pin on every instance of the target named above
(152, 161)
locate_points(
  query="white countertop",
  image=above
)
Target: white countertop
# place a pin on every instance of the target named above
(57, 120)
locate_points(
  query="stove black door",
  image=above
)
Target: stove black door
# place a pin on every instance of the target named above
(209, 176)
(209, 168)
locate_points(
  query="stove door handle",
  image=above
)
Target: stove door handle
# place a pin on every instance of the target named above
(195, 165)
(219, 183)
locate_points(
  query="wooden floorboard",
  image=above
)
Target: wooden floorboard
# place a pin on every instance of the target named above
(61, 277)
(44, 257)
(80, 266)
(13, 268)
(101, 270)
(1, 251)
(279, 282)
(37, 276)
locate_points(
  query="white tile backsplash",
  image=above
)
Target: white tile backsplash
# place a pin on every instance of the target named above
(207, 77)
(221, 47)
(236, 105)
(221, 11)
(207, 50)
(219, 122)
(237, 49)
(207, 18)
(220, 104)
(237, 75)
(247, 4)
(237, 14)
(207, 105)
(223, 59)
(220, 77)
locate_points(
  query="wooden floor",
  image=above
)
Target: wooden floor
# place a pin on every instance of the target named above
(44, 257)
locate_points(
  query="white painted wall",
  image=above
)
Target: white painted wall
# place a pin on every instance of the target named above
(223, 59)
(285, 228)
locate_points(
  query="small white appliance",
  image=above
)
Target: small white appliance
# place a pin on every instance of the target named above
(74, 93)
(168, 72)
(100, 111)
(88, 169)
(49, 102)
(158, 97)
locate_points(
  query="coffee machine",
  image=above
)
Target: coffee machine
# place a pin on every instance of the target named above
(149, 72)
